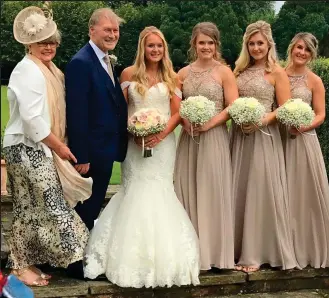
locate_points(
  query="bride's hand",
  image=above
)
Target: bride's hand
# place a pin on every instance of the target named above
(153, 140)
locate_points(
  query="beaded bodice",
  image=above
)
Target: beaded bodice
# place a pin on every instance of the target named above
(252, 83)
(203, 83)
(299, 88)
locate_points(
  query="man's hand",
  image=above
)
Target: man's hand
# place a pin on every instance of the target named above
(82, 168)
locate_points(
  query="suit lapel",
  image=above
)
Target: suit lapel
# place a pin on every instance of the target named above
(104, 75)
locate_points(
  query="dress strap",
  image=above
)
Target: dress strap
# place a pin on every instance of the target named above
(125, 84)
(178, 93)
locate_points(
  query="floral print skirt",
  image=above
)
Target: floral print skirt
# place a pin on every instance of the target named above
(45, 228)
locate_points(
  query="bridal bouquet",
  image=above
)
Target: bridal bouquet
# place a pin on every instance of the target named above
(197, 109)
(247, 110)
(296, 113)
(145, 122)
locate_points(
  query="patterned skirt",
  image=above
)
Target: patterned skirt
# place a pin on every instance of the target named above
(45, 229)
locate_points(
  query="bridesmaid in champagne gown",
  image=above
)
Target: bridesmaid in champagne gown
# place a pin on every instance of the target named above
(306, 173)
(262, 228)
(203, 173)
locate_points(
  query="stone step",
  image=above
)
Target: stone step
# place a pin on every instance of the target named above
(298, 284)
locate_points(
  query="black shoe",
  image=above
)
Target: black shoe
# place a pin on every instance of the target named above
(75, 270)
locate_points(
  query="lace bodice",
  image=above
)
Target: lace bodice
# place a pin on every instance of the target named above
(252, 83)
(155, 97)
(203, 83)
(299, 88)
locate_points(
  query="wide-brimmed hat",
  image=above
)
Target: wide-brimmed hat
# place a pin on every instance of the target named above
(32, 25)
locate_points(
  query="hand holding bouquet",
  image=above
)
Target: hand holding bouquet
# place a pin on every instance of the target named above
(197, 110)
(146, 122)
(247, 110)
(295, 113)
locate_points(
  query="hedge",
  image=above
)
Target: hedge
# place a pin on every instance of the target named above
(321, 67)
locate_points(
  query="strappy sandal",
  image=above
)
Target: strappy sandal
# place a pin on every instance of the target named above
(249, 269)
(38, 282)
(238, 268)
(40, 273)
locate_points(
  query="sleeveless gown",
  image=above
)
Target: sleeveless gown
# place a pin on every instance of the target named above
(203, 178)
(308, 189)
(144, 236)
(262, 229)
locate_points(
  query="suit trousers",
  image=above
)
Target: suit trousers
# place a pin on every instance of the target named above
(90, 209)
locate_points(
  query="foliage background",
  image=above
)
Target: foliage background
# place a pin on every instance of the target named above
(176, 19)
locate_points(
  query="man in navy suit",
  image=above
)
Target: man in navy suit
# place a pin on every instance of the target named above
(96, 110)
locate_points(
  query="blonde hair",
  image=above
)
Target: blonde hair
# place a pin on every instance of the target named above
(165, 71)
(211, 30)
(310, 41)
(104, 12)
(245, 60)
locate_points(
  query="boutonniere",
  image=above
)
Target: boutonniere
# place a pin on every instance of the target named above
(113, 59)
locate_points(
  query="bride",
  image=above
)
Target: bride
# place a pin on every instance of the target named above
(144, 236)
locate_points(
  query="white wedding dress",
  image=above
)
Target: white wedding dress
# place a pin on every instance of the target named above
(144, 236)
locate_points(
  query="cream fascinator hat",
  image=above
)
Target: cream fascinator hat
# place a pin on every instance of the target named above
(33, 24)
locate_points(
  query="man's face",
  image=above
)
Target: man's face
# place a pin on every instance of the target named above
(105, 34)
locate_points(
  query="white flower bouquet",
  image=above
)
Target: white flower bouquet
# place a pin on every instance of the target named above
(295, 113)
(197, 109)
(247, 110)
(145, 122)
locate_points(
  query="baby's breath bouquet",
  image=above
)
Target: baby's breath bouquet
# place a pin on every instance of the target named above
(145, 122)
(295, 113)
(197, 109)
(247, 110)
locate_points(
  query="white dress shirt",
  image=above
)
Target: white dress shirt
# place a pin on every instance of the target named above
(29, 121)
(100, 55)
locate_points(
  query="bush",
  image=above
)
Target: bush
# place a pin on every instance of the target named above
(321, 67)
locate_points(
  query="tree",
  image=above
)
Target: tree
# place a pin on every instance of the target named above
(72, 20)
(295, 17)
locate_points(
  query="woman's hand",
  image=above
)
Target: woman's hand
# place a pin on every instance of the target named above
(203, 128)
(249, 128)
(294, 131)
(153, 140)
(65, 153)
(186, 126)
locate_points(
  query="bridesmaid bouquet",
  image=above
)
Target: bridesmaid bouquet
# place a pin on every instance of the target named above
(247, 110)
(296, 113)
(197, 109)
(145, 122)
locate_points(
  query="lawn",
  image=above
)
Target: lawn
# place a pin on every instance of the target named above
(116, 173)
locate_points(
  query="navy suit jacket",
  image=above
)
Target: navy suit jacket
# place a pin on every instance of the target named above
(96, 112)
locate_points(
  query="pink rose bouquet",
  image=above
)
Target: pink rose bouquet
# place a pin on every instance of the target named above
(146, 122)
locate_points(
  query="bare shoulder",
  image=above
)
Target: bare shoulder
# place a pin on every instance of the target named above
(278, 70)
(182, 73)
(126, 74)
(314, 79)
(224, 70)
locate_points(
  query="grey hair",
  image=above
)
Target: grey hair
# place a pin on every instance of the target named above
(104, 12)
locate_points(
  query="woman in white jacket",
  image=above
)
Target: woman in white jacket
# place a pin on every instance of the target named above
(45, 228)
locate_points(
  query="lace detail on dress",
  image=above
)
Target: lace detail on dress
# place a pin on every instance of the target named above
(144, 236)
(299, 88)
(252, 83)
(203, 83)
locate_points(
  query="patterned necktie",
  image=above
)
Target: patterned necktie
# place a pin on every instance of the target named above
(109, 67)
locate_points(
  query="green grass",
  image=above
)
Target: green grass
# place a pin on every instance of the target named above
(116, 173)
(4, 108)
